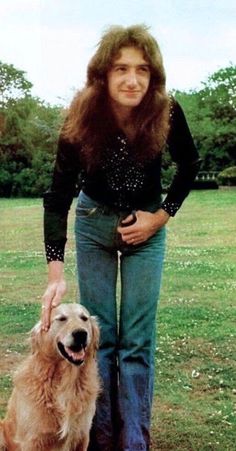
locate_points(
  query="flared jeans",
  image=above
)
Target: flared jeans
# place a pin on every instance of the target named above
(127, 319)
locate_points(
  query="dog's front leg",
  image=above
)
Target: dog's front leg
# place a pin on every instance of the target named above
(83, 446)
(39, 445)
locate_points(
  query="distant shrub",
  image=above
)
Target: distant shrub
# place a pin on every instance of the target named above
(227, 177)
(167, 177)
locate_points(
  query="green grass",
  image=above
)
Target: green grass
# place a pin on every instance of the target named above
(195, 389)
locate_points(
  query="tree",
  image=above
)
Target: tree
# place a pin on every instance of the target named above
(13, 84)
(211, 113)
(28, 135)
(29, 130)
(27, 147)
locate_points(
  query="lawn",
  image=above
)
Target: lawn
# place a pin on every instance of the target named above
(195, 390)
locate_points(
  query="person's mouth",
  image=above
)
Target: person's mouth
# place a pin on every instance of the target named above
(130, 93)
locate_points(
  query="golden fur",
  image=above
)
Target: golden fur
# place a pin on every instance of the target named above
(53, 400)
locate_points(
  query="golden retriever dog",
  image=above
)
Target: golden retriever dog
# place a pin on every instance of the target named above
(55, 389)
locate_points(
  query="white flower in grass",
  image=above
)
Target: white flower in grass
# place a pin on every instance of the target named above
(195, 374)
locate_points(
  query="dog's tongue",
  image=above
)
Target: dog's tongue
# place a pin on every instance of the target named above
(75, 355)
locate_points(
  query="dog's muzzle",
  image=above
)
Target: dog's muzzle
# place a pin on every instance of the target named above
(73, 347)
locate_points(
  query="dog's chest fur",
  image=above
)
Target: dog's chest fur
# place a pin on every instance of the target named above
(65, 396)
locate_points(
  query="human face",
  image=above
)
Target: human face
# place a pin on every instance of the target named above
(128, 79)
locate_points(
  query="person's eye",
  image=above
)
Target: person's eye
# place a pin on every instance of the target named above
(144, 69)
(121, 69)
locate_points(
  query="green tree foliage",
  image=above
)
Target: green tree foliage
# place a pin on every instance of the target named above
(13, 84)
(28, 135)
(211, 113)
(29, 130)
(27, 147)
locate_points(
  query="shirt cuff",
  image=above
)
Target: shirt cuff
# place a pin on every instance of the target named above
(54, 253)
(170, 207)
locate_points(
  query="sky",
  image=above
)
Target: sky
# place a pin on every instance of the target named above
(53, 40)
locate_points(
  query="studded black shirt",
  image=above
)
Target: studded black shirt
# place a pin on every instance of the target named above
(120, 182)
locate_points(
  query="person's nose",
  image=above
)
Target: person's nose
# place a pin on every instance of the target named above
(132, 79)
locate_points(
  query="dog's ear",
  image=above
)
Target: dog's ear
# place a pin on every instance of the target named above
(35, 337)
(96, 332)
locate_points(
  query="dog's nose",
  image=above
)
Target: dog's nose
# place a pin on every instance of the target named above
(80, 337)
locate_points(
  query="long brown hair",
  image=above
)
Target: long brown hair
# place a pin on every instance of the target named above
(90, 121)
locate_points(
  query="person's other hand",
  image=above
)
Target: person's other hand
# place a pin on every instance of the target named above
(145, 226)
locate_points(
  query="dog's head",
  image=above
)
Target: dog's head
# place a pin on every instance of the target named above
(73, 334)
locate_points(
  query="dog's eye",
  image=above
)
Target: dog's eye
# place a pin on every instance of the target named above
(62, 318)
(84, 318)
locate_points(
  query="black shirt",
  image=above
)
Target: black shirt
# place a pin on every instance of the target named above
(120, 182)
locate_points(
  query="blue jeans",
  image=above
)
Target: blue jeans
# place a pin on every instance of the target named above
(127, 345)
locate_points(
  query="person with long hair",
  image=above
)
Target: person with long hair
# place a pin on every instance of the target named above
(111, 145)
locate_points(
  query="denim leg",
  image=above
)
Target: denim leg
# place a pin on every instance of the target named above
(97, 273)
(141, 270)
(99, 298)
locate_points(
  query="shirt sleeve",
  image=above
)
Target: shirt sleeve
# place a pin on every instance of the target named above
(184, 153)
(58, 199)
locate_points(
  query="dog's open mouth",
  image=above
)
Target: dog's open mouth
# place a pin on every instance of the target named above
(75, 355)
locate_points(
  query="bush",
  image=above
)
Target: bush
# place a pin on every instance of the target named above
(167, 175)
(5, 182)
(227, 177)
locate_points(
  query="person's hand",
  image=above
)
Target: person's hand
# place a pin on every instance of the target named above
(54, 292)
(145, 226)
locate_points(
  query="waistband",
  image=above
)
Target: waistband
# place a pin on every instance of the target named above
(113, 209)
